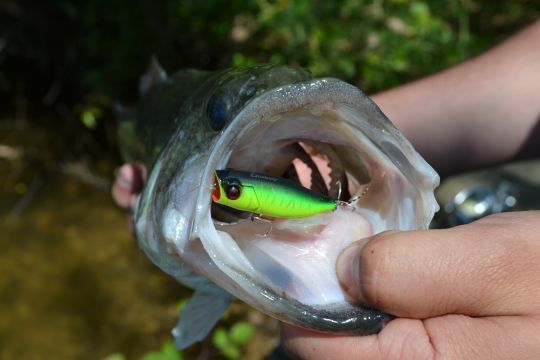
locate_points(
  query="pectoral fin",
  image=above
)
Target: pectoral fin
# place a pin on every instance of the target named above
(200, 315)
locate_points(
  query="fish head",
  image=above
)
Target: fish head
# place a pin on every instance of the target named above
(279, 121)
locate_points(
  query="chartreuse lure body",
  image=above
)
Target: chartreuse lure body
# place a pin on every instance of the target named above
(268, 196)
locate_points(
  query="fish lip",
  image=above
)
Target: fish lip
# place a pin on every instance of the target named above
(271, 103)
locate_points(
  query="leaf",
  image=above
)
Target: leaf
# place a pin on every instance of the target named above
(151, 355)
(167, 352)
(220, 339)
(88, 118)
(241, 332)
(231, 352)
(181, 304)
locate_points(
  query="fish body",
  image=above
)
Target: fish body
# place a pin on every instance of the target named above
(276, 121)
(268, 195)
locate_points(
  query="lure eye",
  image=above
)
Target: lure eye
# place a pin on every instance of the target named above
(232, 191)
(218, 110)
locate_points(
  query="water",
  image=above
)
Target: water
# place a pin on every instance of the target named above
(73, 282)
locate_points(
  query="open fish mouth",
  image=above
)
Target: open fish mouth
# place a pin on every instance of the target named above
(329, 137)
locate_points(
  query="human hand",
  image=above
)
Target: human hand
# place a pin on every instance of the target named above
(128, 184)
(472, 291)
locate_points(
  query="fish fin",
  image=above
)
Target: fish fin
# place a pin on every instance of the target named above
(154, 75)
(200, 315)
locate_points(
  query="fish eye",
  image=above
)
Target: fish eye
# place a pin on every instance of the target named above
(218, 110)
(232, 191)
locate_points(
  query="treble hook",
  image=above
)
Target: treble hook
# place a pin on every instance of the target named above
(260, 218)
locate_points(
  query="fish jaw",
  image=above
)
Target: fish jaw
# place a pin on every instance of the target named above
(401, 183)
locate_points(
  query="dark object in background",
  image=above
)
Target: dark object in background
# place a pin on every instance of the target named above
(54, 53)
(469, 197)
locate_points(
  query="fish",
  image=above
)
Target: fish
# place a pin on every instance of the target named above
(281, 122)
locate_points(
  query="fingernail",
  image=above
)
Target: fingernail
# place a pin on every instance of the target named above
(348, 269)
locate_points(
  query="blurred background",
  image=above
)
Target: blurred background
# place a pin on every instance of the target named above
(73, 283)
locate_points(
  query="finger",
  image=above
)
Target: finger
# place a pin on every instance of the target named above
(447, 337)
(490, 267)
(500, 337)
(400, 339)
(305, 344)
(128, 183)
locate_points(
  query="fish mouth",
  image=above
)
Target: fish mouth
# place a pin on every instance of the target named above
(332, 132)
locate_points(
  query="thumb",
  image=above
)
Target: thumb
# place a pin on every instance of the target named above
(490, 267)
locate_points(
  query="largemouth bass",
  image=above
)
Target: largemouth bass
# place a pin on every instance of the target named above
(281, 122)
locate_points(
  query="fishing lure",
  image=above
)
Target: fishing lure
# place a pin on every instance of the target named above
(269, 196)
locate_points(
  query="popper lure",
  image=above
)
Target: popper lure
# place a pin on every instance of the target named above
(269, 196)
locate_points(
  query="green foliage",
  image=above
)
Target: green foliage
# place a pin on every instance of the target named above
(229, 342)
(67, 48)
(89, 117)
(182, 304)
(92, 109)
(241, 332)
(375, 44)
(168, 352)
